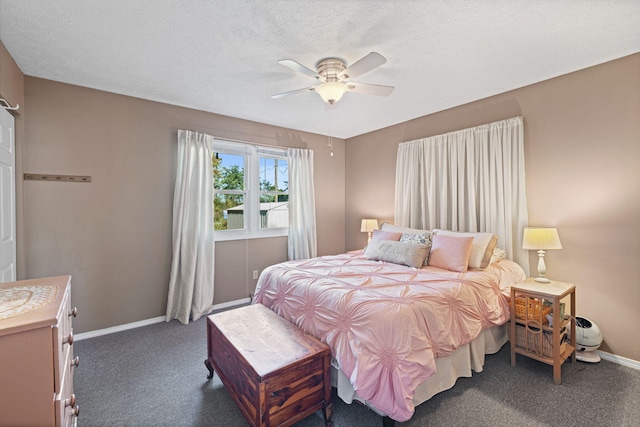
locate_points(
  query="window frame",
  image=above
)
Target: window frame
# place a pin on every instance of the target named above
(252, 155)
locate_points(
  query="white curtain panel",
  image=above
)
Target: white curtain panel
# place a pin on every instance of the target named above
(468, 180)
(303, 242)
(191, 280)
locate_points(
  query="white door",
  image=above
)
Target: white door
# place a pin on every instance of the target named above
(7, 198)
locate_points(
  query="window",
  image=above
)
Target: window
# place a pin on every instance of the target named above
(251, 191)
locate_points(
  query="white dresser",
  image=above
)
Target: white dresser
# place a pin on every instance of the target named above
(36, 353)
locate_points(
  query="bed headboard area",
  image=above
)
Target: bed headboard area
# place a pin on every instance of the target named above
(471, 180)
(449, 250)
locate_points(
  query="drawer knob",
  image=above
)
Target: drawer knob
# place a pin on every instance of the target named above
(71, 401)
(75, 411)
(75, 362)
(73, 312)
(69, 339)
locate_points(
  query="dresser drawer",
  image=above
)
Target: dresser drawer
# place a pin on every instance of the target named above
(63, 339)
(66, 406)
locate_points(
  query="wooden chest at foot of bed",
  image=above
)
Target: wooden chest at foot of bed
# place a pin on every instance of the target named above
(276, 373)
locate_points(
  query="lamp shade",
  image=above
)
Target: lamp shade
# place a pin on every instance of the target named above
(368, 225)
(541, 238)
(331, 92)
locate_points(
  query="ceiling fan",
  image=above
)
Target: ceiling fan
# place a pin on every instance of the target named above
(334, 76)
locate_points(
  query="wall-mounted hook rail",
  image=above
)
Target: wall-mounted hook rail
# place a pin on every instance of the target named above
(57, 178)
(8, 106)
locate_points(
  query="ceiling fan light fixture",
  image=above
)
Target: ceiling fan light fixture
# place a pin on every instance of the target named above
(331, 92)
(332, 77)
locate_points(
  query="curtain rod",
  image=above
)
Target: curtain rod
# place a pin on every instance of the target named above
(251, 143)
(239, 141)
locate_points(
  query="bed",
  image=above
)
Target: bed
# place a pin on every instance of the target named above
(399, 333)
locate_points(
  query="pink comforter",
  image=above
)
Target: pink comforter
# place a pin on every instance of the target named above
(386, 323)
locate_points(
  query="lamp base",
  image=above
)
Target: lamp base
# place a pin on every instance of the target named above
(542, 269)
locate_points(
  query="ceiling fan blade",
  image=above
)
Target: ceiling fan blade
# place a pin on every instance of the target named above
(296, 66)
(363, 65)
(369, 89)
(293, 92)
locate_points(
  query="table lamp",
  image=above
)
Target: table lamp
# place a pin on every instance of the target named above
(541, 239)
(368, 225)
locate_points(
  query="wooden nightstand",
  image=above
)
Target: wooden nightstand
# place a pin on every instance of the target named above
(530, 333)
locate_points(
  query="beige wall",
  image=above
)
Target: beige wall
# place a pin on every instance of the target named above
(582, 157)
(113, 235)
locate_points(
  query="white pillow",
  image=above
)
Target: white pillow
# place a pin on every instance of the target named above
(410, 254)
(482, 247)
(390, 227)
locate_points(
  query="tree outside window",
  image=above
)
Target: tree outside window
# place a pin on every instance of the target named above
(229, 179)
(251, 192)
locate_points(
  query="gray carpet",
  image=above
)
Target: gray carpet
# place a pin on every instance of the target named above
(155, 376)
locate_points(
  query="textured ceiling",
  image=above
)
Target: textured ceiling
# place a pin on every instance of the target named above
(221, 56)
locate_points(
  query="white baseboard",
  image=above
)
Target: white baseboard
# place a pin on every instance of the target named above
(133, 325)
(119, 328)
(229, 304)
(630, 363)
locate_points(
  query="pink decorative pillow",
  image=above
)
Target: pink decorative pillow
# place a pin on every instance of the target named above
(481, 249)
(451, 253)
(385, 235)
